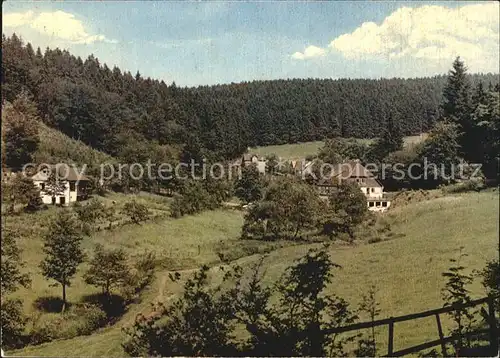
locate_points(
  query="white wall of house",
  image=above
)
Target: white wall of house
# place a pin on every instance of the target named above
(372, 192)
(70, 196)
(261, 166)
(378, 206)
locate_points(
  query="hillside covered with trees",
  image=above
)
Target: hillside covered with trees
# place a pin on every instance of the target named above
(113, 110)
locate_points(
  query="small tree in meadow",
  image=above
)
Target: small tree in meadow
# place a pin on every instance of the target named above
(345, 210)
(108, 269)
(62, 251)
(368, 347)
(288, 209)
(23, 191)
(455, 293)
(89, 214)
(249, 187)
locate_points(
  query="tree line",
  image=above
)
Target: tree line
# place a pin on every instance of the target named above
(114, 111)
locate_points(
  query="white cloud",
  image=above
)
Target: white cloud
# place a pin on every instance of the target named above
(309, 52)
(16, 19)
(57, 25)
(431, 33)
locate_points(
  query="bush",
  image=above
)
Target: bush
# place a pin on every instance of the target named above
(465, 186)
(374, 240)
(289, 319)
(89, 214)
(140, 276)
(490, 276)
(79, 319)
(87, 318)
(136, 211)
(13, 322)
(196, 197)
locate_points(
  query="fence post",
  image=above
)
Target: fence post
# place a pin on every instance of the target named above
(493, 325)
(390, 348)
(441, 336)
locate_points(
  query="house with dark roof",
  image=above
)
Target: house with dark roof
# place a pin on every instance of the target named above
(355, 172)
(253, 159)
(75, 184)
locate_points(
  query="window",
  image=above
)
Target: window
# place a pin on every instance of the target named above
(72, 186)
(377, 203)
(371, 204)
(373, 190)
(384, 204)
(62, 200)
(42, 186)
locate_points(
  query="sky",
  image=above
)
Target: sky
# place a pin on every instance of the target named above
(208, 42)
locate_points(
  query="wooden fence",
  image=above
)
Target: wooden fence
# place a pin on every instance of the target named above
(492, 331)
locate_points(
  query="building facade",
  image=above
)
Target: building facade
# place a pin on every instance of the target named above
(75, 186)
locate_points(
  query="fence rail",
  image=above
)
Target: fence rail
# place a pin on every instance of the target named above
(493, 335)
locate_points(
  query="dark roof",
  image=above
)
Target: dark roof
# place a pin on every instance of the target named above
(249, 156)
(67, 172)
(352, 169)
(366, 182)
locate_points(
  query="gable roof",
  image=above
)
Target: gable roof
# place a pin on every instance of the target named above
(249, 156)
(352, 169)
(367, 182)
(63, 171)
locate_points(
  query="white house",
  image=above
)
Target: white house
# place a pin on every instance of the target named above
(260, 163)
(75, 185)
(354, 172)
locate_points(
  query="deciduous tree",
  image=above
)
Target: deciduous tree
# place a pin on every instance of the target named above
(108, 269)
(63, 253)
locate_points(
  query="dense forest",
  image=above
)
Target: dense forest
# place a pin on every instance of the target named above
(114, 111)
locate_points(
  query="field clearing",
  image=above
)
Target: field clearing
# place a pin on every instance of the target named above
(302, 150)
(178, 244)
(406, 270)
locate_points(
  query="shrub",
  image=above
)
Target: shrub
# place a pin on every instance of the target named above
(139, 276)
(108, 269)
(374, 240)
(89, 214)
(13, 322)
(136, 211)
(465, 186)
(490, 276)
(88, 318)
(79, 319)
(196, 197)
(204, 319)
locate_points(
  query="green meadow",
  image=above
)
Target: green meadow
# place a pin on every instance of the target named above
(302, 150)
(406, 269)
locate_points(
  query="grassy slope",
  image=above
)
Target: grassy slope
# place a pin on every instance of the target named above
(57, 147)
(407, 270)
(301, 150)
(184, 243)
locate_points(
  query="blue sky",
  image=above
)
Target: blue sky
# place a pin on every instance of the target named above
(198, 43)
